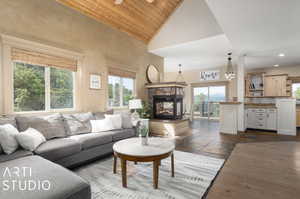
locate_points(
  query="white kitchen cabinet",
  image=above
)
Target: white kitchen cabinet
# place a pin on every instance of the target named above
(286, 120)
(261, 118)
(250, 118)
(272, 119)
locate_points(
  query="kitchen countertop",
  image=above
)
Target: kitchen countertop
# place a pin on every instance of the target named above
(229, 102)
(260, 105)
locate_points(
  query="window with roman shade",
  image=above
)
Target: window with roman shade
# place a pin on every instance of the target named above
(41, 59)
(121, 87)
(42, 82)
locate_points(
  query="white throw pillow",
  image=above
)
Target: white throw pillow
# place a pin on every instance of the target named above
(101, 125)
(30, 139)
(116, 120)
(8, 139)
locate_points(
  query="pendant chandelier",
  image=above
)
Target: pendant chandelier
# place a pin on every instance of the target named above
(121, 1)
(179, 77)
(229, 74)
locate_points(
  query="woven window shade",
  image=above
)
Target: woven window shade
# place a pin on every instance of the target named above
(121, 73)
(295, 79)
(41, 59)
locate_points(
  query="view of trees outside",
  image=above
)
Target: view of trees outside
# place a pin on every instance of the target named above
(120, 88)
(30, 88)
(206, 100)
(296, 91)
(128, 86)
(61, 89)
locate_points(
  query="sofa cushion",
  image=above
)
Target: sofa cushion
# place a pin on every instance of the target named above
(56, 149)
(15, 155)
(93, 139)
(101, 115)
(126, 120)
(8, 120)
(122, 134)
(51, 126)
(64, 184)
(78, 123)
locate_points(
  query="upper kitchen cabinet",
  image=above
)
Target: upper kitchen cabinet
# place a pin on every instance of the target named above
(262, 85)
(254, 85)
(277, 86)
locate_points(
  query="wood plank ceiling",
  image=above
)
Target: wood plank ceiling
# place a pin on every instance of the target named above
(137, 18)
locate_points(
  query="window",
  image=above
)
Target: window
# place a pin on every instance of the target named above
(296, 91)
(38, 88)
(120, 91)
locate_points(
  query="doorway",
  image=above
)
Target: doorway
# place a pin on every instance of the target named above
(206, 101)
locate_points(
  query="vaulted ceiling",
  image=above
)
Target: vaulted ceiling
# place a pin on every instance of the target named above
(137, 18)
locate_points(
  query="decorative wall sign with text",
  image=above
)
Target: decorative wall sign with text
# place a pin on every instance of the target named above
(209, 75)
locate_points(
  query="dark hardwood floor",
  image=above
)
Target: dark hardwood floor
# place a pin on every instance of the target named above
(207, 140)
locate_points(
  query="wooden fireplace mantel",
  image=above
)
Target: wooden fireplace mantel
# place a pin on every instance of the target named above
(166, 84)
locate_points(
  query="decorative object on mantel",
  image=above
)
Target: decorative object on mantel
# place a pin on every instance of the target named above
(209, 75)
(152, 74)
(229, 74)
(118, 2)
(95, 81)
(179, 77)
(135, 104)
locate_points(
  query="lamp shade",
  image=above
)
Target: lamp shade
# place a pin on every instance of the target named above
(135, 104)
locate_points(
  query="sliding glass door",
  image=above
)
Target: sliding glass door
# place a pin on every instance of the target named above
(206, 101)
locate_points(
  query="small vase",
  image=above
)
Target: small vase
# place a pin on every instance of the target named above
(144, 140)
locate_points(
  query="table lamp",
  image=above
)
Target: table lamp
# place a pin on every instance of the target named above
(134, 105)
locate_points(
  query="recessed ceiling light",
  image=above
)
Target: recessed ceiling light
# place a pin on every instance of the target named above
(276, 65)
(281, 55)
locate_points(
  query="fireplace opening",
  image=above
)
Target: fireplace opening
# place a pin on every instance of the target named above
(168, 107)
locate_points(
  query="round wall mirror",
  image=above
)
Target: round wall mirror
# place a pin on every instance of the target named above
(153, 75)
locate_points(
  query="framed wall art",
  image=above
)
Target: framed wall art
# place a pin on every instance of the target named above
(95, 81)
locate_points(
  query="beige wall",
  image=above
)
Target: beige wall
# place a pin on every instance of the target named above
(290, 70)
(48, 22)
(193, 77)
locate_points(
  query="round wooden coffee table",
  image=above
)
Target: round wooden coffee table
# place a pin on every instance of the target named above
(132, 150)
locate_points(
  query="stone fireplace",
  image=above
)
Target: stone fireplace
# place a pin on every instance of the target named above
(166, 100)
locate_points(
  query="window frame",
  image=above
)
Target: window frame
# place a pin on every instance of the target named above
(121, 92)
(297, 100)
(48, 109)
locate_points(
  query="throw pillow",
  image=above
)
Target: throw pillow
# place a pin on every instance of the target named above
(101, 125)
(116, 120)
(101, 115)
(51, 126)
(78, 123)
(30, 139)
(8, 120)
(8, 139)
(126, 120)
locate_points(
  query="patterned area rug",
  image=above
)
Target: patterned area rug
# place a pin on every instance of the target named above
(193, 175)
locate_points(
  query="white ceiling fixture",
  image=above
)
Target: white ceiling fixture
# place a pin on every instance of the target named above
(281, 55)
(118, 2)
(276, 65)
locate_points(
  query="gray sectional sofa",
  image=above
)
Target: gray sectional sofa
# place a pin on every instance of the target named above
(69, 143)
